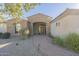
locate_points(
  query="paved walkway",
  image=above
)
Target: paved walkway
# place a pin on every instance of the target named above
(34, 46)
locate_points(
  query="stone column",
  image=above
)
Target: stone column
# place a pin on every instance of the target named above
(47, 28)
(31, 28)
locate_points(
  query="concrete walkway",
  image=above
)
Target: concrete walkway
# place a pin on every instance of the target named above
(34, 46)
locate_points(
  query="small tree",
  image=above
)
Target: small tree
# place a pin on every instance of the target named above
(24, 33)
(15, 10)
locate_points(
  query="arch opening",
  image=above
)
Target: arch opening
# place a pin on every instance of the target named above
(39, 28)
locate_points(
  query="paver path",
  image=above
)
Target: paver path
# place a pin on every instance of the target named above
(38, 45)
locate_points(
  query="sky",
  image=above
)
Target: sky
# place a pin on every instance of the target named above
(50, 9)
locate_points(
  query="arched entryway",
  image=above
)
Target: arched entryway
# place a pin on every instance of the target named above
(39, 28)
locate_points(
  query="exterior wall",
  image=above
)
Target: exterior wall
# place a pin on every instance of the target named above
(67, 24)
(40, 18)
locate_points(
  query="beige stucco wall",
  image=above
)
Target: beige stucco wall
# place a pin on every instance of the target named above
(68, 24)
(40, 18)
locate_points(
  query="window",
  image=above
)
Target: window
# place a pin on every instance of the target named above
(3, 27)
(17, 28)
(58, 24)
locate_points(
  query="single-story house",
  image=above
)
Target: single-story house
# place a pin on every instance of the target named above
(38, 24)
(67, 22)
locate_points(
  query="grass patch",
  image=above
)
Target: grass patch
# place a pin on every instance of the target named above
(58, 40)
(72, 41)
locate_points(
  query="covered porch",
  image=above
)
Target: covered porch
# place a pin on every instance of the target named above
(39, 28)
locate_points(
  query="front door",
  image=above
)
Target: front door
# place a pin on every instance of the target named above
(39, 28)
(42, 30)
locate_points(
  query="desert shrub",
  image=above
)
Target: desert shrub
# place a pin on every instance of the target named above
(72, 41)
(1, 35)
(6, 35)
(58, 40)
(24, 33)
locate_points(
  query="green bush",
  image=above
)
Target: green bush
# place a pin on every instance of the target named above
(6, 35)
(24, 33)
(72, 41)
(1, 35)
(58, 40)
